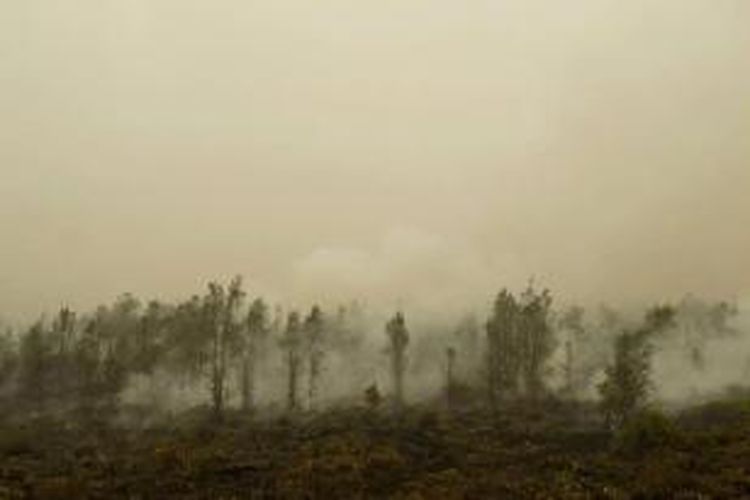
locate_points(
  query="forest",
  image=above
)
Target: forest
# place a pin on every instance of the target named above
(226, 395)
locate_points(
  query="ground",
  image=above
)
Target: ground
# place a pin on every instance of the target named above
(547, 451)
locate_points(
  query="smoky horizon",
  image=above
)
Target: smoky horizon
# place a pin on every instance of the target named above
(421, 154)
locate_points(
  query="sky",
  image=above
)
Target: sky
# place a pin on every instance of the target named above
(411, 152)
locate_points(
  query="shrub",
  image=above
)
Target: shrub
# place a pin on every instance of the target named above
(646, 431)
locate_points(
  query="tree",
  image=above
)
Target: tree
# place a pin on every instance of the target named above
(659, 319)
(575, 373)
(221, 309)
(87, 361)
(626, 387)
(347, 328)
(8, 356)
(63, 330)
(34, 362)
(520, 342)
(150, 334)
(450, 382)
(314, 336)
(213, 310)
(699, 322)
(291, 342)
(537, 339)
(186, 341)
(62, 344)
(571, 322)
(467, 335)
(398, 337)
(256, 334)
(112, 378)
(503, 354)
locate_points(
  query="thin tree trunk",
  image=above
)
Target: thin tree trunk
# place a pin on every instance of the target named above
(292, 388)
(248, 382)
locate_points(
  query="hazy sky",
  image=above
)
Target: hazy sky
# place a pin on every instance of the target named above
(406, 149)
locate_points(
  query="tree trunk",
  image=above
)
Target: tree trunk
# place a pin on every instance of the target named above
(292, 388)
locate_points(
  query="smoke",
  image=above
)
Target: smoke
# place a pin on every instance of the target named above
(410, 270)
(725, 363)
(598, 145)
(411, 155)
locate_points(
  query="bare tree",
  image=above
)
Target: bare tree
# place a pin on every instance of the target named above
(221, 311)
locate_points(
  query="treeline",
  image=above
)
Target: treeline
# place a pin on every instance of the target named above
(222, 341)
(212, 338)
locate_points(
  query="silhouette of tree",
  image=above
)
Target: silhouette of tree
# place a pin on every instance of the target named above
(398, 337)
(291, 342)
(314, 336)
(256, 335)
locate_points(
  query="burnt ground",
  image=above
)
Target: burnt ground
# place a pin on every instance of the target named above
(557, 452)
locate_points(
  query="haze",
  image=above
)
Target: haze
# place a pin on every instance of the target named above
(416, 151)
